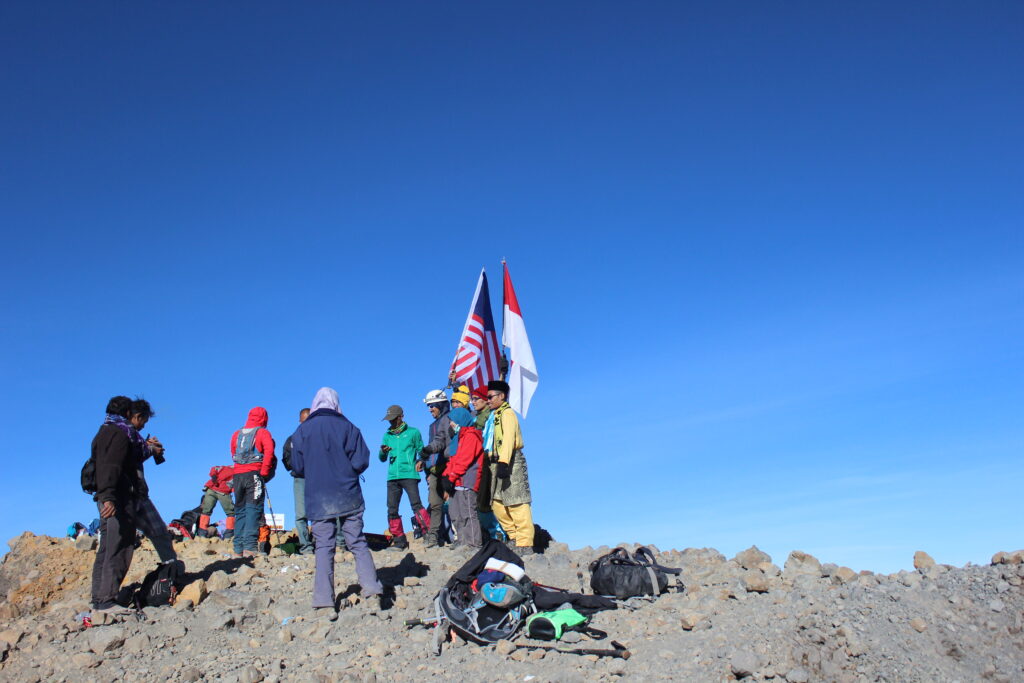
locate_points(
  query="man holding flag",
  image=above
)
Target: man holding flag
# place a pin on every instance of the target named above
(510, 481)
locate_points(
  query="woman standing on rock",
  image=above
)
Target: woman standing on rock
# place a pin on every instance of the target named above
(330, 453)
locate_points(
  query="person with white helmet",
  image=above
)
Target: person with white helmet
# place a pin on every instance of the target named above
(433, 459)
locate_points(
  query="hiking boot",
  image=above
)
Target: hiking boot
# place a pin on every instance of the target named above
(430, 541)
(399, 543)
(524, 550)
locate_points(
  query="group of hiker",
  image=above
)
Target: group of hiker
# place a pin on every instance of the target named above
(472, 460)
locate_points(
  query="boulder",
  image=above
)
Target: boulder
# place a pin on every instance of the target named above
(843, 575)
(744, 663)
(107, 639)
(800, 563)
(692, 619)
(218, 581)
(755, 581)
(751, 558)
(85, 542)
(195, 591)
(923, 560)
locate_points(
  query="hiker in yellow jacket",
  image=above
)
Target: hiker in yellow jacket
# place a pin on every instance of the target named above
(510, 481)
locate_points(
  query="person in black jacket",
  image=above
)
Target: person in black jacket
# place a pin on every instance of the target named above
(117, 482)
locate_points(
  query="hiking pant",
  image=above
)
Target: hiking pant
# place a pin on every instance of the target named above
(412, 490)
(462, 510)
(324, 532)
(435, 498)
(301, 523)
(211, 498)
(250, 492)
(517, 521)
(153, 527)
(301, 526)
(114, 556)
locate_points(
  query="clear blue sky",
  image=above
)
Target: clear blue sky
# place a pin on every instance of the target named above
(769, 255)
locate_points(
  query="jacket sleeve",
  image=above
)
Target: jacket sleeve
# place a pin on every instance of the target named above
(298, 457)
(440, 441)
(113, 454)
(234, 441)
(509, 430)
(384, 442)
(265, 445)
(358, 453)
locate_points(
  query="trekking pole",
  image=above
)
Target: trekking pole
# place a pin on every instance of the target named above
(619, 652)
(431, 621)
(272, 515)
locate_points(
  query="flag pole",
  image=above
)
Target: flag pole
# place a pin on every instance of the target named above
(503, 364)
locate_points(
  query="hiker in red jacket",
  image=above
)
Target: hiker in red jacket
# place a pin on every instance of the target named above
(218, 490)
(461, 479)
(252, 449)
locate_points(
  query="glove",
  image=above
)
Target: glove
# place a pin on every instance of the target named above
(504, 470)
(447, 486)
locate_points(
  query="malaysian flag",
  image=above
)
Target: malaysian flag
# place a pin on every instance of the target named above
(476, 359)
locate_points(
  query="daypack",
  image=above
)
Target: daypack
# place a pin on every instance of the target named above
(160, 586)
(89, 476)
(468, 614)
(619, 575)
(460, 607)
(246, 453)
(188, 520)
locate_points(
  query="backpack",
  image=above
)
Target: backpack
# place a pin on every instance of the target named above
(619, 575)
(475, 619)
(188, 521)
(89, 476)
(160, 586)
(460, 607)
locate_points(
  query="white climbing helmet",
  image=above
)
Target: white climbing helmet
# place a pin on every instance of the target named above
(436, 396)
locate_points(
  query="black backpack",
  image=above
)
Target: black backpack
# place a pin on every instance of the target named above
(89, 476)
(619, 575)
(160, 586)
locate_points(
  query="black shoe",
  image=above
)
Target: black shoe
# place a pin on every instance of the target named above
(524, 551)
(400, 542)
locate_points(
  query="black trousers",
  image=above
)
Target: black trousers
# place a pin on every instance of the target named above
(411, 488)
(114, 556)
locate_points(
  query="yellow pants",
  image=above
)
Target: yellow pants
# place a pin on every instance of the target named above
(517, 521)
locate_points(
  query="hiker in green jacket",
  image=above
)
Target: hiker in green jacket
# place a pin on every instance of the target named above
(400, 447)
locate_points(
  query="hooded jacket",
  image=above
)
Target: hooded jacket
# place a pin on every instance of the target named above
(436, 451)
(465, 466)
(264, 443)
(330, 453)
(220, 478)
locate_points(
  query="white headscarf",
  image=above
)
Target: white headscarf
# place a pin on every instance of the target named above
(326, 398)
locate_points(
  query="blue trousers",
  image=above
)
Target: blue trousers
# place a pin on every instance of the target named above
(250, 492)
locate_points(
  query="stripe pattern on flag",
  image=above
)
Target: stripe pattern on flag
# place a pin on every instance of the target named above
(476, 359)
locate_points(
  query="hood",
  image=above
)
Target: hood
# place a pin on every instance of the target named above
(326, 398)
(461, 417)
(257, 418)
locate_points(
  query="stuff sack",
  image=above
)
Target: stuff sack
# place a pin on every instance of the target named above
(160, 586)
(552, 625)
(619, 575)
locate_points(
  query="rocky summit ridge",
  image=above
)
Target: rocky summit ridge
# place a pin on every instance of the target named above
(743, 618)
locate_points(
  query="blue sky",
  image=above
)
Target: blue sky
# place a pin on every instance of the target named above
(769, 256)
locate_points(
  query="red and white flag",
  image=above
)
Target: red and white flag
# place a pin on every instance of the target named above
(522, 370)
(476, 359)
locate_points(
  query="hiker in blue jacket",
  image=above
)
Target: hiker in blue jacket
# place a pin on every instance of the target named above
(329, 452)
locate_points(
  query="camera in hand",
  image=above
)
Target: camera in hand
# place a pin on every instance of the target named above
(158, 458)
